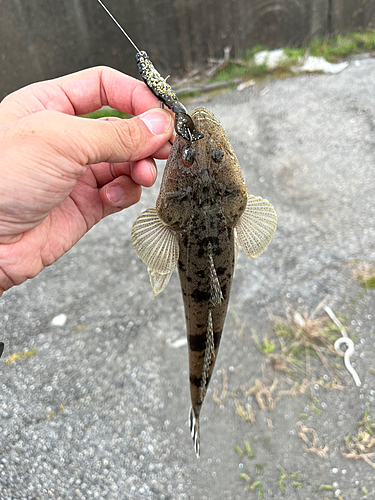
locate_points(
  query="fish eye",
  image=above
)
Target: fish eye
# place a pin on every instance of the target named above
(217, 154)
(188, 155)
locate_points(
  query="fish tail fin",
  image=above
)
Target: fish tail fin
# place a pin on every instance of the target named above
(194, 431)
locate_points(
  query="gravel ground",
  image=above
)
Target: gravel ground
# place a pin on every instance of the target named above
(99, 409)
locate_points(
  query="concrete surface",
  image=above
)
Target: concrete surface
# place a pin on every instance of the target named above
(100, 411)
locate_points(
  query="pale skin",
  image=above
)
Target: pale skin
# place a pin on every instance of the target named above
(61, 174)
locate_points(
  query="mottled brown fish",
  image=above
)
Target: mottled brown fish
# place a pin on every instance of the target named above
(202, 213)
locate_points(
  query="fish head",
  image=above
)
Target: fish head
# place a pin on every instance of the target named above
(204, 175)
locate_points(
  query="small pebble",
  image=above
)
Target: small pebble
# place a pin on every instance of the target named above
(59, 320)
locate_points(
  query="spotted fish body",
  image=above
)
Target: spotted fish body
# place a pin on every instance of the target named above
(203, 211)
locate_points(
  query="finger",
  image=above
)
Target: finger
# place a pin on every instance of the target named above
(121, 193)
(109, 118)
(143, 172)
(161, 154)
(80, 93)
(77, 142)
(133, 139)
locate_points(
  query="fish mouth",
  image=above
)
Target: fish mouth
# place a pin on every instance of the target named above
(204, 114)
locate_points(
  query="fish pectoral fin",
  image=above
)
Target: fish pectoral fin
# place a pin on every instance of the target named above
(194, 431)
(158, 280)
(235, 251)
(157, 246)
(256, 226)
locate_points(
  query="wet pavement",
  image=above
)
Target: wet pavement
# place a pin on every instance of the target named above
(99, 407)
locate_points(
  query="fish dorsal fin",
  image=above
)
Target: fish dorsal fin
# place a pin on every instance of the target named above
(256, 226)
(157, 246)
(215, 288)
(209, 354)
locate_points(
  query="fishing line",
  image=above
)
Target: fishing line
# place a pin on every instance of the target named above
(118, 25)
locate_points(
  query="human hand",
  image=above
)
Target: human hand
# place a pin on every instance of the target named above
(61, 174)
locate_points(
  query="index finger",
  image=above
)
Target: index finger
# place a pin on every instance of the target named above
(80, 93)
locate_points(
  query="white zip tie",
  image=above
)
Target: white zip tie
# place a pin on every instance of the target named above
(349, 344)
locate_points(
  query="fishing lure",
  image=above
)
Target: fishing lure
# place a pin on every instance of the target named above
(183, 124)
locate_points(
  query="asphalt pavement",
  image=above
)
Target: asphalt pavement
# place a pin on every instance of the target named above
(98, 409)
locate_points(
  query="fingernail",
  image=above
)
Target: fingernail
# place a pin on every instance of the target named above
(114, 194)
(153, 169)
(157, 121)
(154, 172)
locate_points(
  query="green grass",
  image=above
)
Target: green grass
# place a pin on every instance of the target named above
(248, 451)
(361, 445)
(295, 52)
(230, 71)
(367, 283)
(368, 423)
(331, 48)
(284, 476)
(245, 413)
(342, 45)
(20, 355)
(253, 486)
(106, 112)
(266, 346)
(364, 272)
(259, 467)
(325, 487)
(300, 337)
(250, 53)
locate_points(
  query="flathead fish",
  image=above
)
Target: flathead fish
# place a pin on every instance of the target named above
(202, 213)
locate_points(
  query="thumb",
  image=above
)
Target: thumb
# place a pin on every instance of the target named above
(87, 141)
(133, 139)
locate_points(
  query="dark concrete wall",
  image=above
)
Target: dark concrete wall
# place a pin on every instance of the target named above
(41, 39)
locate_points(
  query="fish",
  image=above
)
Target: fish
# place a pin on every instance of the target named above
(202, 214)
